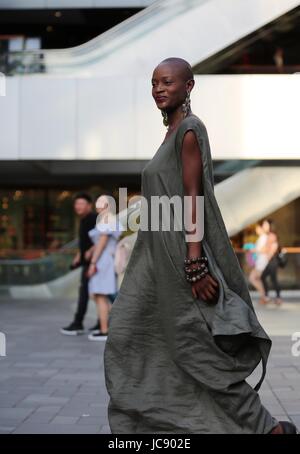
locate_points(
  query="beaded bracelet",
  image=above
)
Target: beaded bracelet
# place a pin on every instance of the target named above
(197, 277)
(190, 260)
(201, 269)
(194, 270)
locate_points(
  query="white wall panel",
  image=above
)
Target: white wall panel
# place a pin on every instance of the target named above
(106, 126)
(9, 120)
(148, 118)
(250, 116)
(48, 118)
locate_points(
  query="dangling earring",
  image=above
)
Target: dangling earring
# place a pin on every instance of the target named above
(165, 115)
(186, 106)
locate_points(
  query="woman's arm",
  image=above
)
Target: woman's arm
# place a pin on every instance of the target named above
(192, 181)
(99, 247)
(272, 245)
(192, 172)
(88, 253)
(76, 259)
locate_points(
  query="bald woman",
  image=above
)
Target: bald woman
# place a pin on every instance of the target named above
(183, 333)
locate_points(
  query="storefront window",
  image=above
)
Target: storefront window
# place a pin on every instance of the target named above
(34, 221)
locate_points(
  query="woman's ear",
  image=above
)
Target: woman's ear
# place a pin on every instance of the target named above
(190, 84)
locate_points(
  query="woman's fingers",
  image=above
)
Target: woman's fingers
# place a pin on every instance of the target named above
(213, 281)
(209, 293)
(202, 295)
(194, 292)
(212, 289)
(207, 289)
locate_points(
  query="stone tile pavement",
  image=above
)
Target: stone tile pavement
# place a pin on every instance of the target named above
(50, 383)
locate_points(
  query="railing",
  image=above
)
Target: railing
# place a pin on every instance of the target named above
(31, 254)
(25, 62)
(49, 264)
(57, 264)
(36, 271)
(31, 62)
(101, 46)
(288, 277)
(105, 44)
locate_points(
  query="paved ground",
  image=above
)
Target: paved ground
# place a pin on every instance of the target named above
(50, 383)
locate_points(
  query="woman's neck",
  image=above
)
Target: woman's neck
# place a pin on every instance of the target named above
(174, 118)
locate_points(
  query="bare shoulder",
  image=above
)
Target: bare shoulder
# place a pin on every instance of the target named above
(190, 139)
(190, 134)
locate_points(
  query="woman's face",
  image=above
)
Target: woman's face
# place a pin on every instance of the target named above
(168, 87)
(259, 230)
(101, 204)
(266, 226)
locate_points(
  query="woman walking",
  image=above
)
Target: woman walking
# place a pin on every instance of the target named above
(261, 262)
(182, 342)
(271, 269)
(101, 272)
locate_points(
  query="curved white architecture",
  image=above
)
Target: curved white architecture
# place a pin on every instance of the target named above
(191, 29)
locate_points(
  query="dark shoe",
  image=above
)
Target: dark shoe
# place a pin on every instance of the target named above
(72, 330)
(98, 336)
(95, 328)
(288, 427)
(284, 427)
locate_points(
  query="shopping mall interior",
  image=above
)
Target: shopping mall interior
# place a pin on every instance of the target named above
(39, 177)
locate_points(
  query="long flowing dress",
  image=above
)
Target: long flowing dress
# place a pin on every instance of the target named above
(174, 363)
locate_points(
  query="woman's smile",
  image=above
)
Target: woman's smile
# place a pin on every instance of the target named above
(160, 100)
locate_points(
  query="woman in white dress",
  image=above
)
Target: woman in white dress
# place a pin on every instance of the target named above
(260, 263)
(101, 272)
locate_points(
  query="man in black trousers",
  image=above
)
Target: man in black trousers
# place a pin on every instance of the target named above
(83, 206)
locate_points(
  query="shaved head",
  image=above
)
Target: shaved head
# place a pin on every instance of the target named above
(181, 66)
(172, 81)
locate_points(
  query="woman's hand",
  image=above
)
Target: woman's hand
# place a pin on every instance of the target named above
(76, 261)
(206, 289)
(88, 254)
(92, 269)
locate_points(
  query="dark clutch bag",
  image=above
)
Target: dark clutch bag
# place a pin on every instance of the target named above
(282, 259)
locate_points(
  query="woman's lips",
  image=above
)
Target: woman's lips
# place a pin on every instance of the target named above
(160, 98)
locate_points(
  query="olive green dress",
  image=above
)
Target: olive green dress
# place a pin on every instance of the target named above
(175, 364)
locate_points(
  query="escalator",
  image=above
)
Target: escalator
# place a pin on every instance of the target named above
(196, 30)
(255, 193)
(250, 195)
